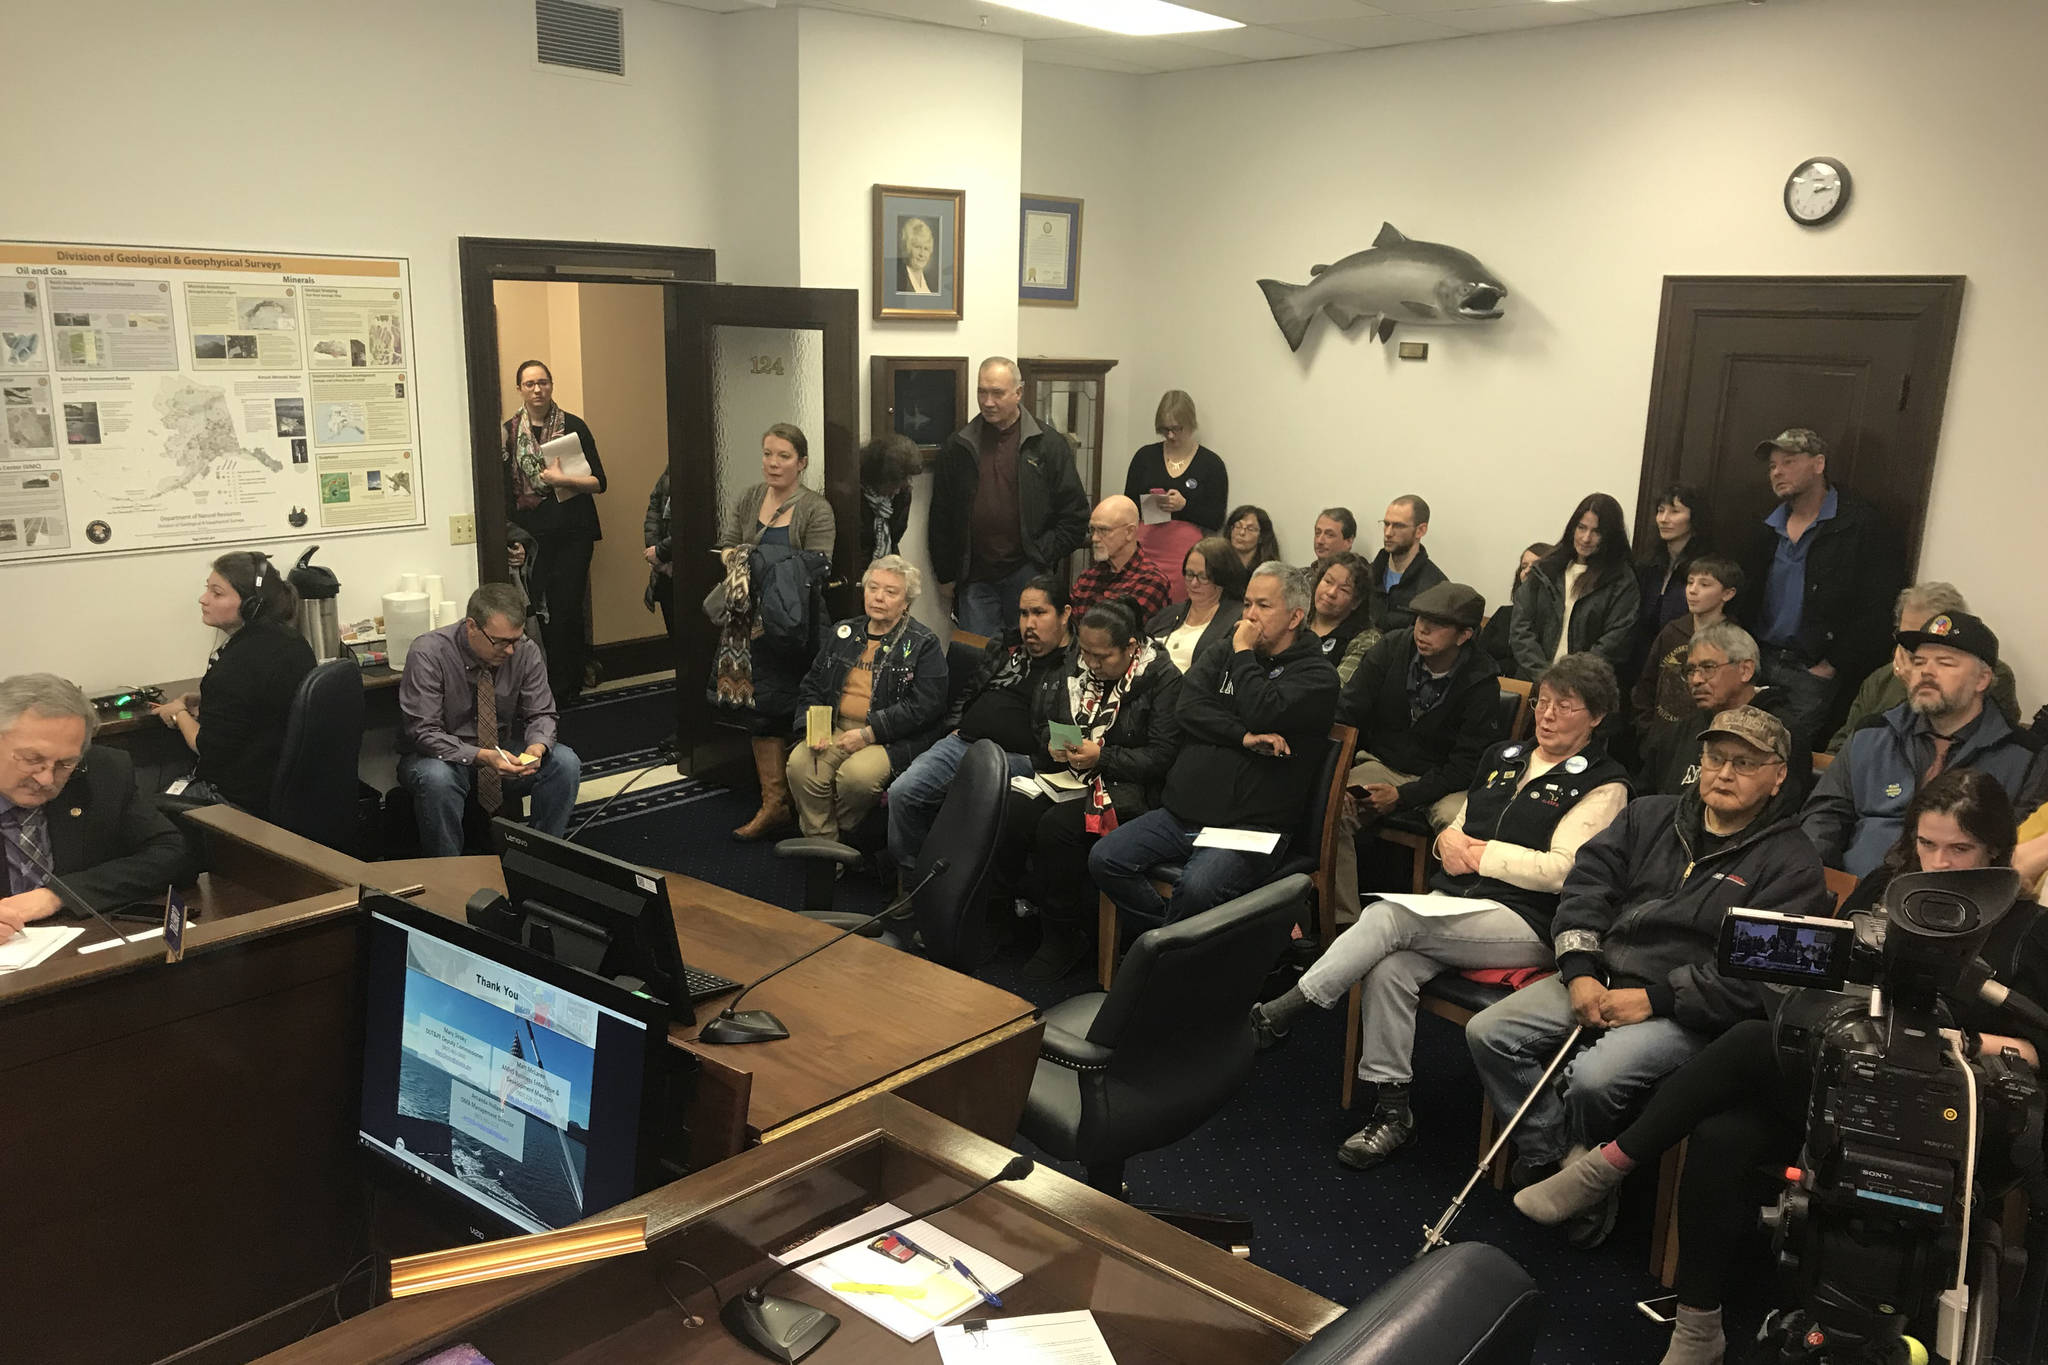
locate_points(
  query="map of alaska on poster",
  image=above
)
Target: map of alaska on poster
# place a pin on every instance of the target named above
(167, 397)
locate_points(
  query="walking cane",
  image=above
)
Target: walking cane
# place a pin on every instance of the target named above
(1434, 1237)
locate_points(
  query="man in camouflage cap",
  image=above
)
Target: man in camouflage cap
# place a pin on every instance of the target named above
(1826, 568)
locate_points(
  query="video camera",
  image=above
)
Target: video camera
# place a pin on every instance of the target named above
(1905, 1135)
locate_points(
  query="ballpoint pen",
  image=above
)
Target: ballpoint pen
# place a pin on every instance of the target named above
(897, 1233)
(987, 1295)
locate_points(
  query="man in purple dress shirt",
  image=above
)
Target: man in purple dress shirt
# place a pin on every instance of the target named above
(482, 666)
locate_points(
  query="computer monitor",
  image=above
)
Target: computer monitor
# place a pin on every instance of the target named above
(591, 911)
(517, 1086)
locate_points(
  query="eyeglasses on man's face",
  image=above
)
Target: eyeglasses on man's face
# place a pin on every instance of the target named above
(1749, 765)
(59, 768)
(1706, 670)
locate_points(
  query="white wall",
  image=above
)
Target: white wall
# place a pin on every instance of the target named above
(901, 104)
(384, 127)
(1082, 140)
(1582, 163)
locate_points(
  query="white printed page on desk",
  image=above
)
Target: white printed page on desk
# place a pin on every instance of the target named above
(1040, 1339)
(34, 944)
(940, 1294)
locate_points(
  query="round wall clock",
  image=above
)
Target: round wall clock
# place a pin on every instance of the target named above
(1817, 191)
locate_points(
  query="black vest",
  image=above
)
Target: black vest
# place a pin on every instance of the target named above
(1494, 810)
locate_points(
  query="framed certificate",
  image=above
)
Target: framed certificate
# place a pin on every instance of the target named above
(1049, 250)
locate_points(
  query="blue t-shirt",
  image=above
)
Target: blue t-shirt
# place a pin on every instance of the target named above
(1785, 589)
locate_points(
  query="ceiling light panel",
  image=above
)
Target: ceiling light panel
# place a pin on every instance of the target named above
(1134, 18)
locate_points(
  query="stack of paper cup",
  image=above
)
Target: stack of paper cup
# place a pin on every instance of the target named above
(406, 618)
(408, 582)
(446, 614)
(430, 584)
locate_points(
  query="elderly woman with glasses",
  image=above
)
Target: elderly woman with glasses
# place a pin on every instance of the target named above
(882, 677)
(1183, 478)
(1505, 857)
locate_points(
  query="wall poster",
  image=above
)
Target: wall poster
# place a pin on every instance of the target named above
(160, 398)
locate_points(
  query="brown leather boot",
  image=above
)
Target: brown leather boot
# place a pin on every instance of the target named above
(774, 815)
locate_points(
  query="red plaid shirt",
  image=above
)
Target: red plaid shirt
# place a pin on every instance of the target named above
(1138, 581)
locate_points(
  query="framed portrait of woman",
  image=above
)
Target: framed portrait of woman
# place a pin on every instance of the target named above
(918, 236)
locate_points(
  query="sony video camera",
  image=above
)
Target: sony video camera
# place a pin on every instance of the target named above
(1906, 1136)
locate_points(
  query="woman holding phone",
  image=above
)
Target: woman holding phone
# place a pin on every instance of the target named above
(1185, 478)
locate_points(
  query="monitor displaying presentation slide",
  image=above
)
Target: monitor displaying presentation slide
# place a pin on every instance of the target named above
(506, 1080)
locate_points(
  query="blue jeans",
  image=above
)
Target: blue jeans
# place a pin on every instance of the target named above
(916, 795)
(990, 608)
(1122, 860)
(1601, 1084)
(440, 789)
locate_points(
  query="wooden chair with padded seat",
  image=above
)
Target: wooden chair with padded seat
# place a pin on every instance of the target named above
(1319, 833)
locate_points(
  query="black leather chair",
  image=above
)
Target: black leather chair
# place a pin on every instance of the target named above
(947, 909)
(1147, 1062)
(316, 792)
(1467, 1304)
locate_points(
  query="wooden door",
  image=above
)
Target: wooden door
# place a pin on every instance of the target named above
(1864, 361)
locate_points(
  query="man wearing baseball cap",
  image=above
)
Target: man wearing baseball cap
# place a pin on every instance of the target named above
(1825, 568)
(1859, 803)
(1636, 933)
(1426, 703)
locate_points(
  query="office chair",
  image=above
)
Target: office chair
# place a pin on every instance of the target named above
(1147, 1062)
(316, 792)
(1467, 1303)
(947, 909)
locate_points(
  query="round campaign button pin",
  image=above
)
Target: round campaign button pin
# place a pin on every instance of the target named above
(1575, 764)
(1192, 484)
(1512, 751)
(1275, 672)
(845, 631)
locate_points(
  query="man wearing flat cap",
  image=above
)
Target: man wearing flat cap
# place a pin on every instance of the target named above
(1426, 704)
(1636, 933)
(1858, 805)
(1827, 567)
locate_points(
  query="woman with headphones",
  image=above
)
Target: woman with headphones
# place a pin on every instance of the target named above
(235, 722)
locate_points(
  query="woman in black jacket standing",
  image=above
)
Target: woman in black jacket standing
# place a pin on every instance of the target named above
(235, 722)
(1120, 691)
(557, 508)
(1188, 477)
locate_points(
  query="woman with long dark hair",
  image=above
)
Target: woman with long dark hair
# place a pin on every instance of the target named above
(1340, 596)
(1739, 1106)
(1684, 533)
(235, 721)
(1494, 637)
(557, 508)
(1580, 596)
(1250, 533)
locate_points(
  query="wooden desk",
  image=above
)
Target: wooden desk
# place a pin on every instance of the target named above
(1160, 1296)
(864, 1019)
(114, 724)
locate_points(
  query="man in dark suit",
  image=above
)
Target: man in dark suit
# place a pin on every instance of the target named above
(72, 806)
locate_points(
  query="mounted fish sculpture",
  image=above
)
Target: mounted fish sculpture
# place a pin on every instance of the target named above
(1393, 281)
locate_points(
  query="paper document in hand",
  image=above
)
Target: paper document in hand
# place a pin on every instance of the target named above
(568, 451)
(33, 943)
(1040, 1339)
(1238, 840)
(1437, 906)
(1153, 511)
(1060, 735)
(946, 1294)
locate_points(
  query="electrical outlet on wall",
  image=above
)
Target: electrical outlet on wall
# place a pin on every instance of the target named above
(462, 529)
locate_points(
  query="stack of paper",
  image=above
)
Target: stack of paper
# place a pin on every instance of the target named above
(938, 1292)
(35, 943)
(566, 452)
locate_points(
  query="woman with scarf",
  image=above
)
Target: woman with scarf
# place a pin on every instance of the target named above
(1120, 692)
(883, 676)
(556, 507)
(753, 673)
(887, 465)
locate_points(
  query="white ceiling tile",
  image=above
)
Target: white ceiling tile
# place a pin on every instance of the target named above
(1421, 8)
(1507, 18)
(1370, 32)
(1618, 9)
(1258, 44)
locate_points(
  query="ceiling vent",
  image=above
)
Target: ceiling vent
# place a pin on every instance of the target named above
(586, 37)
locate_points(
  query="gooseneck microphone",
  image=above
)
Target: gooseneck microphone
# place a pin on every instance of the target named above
(759, 1026)
(787, 1329)
(56, 883)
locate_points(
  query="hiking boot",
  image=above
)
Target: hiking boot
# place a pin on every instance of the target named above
(1388, 1132)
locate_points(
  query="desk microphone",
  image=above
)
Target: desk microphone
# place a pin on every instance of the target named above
(788, 1329)
(759, 1026)
(56, 883)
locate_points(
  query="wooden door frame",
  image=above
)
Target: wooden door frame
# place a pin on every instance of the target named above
(482, 262)
(1934, 302)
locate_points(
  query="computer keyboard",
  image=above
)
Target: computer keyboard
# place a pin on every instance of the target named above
(703, 985)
